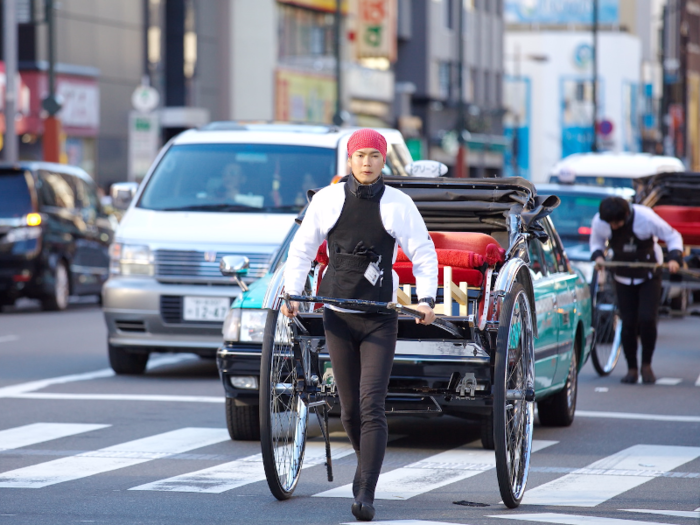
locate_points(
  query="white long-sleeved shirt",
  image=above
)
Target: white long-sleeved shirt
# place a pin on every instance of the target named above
(401, 220)
(646, 224)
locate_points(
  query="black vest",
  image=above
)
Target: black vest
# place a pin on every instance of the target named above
(627, 247)
(357, 240)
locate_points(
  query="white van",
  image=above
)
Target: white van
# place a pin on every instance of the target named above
(616, 170)
(224, 189)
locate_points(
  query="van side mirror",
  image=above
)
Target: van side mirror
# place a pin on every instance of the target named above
(122, 194)
(235, 266)
(426, 168)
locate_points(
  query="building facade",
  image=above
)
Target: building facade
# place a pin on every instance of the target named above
(429, 66)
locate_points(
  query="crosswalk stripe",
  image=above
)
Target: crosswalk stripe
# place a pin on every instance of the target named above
(697, 381)
(571, 519)
(432, 473)
(27, 435)
(675, 513)
(234, 474)
(593, 485)
(112, 458)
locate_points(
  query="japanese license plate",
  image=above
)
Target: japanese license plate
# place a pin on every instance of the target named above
(205, 308)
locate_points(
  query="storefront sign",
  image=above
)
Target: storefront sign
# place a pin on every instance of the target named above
(81, 103)
(321, 5)
(560, 12)
(370, 84)
(22, 105)
(376, 29)
(303, 97)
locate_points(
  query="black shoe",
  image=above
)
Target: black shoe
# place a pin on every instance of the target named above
(648, 377)
(631, 377)
(363, 511)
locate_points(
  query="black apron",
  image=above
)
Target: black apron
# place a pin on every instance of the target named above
(357, 241)
(627, 247)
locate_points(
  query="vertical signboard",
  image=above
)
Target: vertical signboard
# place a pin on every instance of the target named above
(376, 29)
(144, 141)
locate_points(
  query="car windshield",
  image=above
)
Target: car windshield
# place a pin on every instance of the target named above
(237, 177)
(596, 180)
(574, 215)
(15, 200)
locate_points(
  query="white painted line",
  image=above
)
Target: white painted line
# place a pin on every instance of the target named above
(244, 471)
(407, 522)
(697, 381)
(572, 519)
(112, 458)
(27, 435)
(643, 417)
(593, 485)
(431, 473)
(675, 513)
(8, 338)
(123, 397)
(601, 389)
(31, 386)
(669, 381)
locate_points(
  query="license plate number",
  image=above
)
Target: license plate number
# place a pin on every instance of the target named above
(205, 308)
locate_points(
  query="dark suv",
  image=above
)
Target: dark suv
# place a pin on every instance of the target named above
(54, 235)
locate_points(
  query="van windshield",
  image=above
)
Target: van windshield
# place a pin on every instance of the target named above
(237, 177)
(15, 200)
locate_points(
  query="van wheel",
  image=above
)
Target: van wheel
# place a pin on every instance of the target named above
(124, 362)
(58, 300)
(243, 422)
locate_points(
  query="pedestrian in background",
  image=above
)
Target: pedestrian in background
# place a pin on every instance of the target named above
(632, 231)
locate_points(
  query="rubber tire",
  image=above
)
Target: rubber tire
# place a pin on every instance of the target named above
(679, 304)
(124, 362)
(499, 399)
(242, 421)
(555, 410)
(58, 300)
(487, 441)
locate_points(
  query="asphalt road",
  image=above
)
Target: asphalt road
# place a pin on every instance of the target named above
(80, 445)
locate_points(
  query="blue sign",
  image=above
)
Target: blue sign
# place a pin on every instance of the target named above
(560, 12)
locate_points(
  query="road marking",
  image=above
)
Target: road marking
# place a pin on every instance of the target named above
(431, 473)
(594, 484)
(228, 476)
(669, 381)
(407, 522)
(112, 458)
(644, 417)
(697, 382)
(8, 338)
(676, 513)
(31, 386)
(27, 435)
(601, 389)
(122, 397)
(572, 519)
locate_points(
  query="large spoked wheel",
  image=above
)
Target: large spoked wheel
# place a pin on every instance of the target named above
(608, 326)
(283, 412)
(513, 403)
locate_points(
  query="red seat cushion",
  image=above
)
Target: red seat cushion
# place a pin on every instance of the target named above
(459, 275)
(685, 219)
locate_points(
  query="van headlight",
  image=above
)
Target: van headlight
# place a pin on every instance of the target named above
(245, 325)
(130, 260)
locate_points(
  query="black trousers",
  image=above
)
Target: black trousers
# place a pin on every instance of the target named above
(639, 311)
(361, 347)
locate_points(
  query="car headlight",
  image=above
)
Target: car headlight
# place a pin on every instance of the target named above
(245, 325)
(130, 260)
(21, 234)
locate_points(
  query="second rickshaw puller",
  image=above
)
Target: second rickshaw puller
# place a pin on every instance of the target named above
(362, 220)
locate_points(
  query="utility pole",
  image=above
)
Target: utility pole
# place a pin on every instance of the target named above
(52, 125)
(594, 144)
(10, 46)
(338, 117)
(460, 162)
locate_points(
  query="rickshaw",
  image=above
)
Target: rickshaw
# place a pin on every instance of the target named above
(478, 357)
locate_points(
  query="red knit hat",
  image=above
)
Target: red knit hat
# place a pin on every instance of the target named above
(367, 138)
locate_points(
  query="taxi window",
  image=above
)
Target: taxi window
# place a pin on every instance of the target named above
(536, 259)
(550, 259)
(555, 260)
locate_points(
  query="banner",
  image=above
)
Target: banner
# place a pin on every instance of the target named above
(321, 5)
(558, 12)
(376, 29)
(303, 97)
